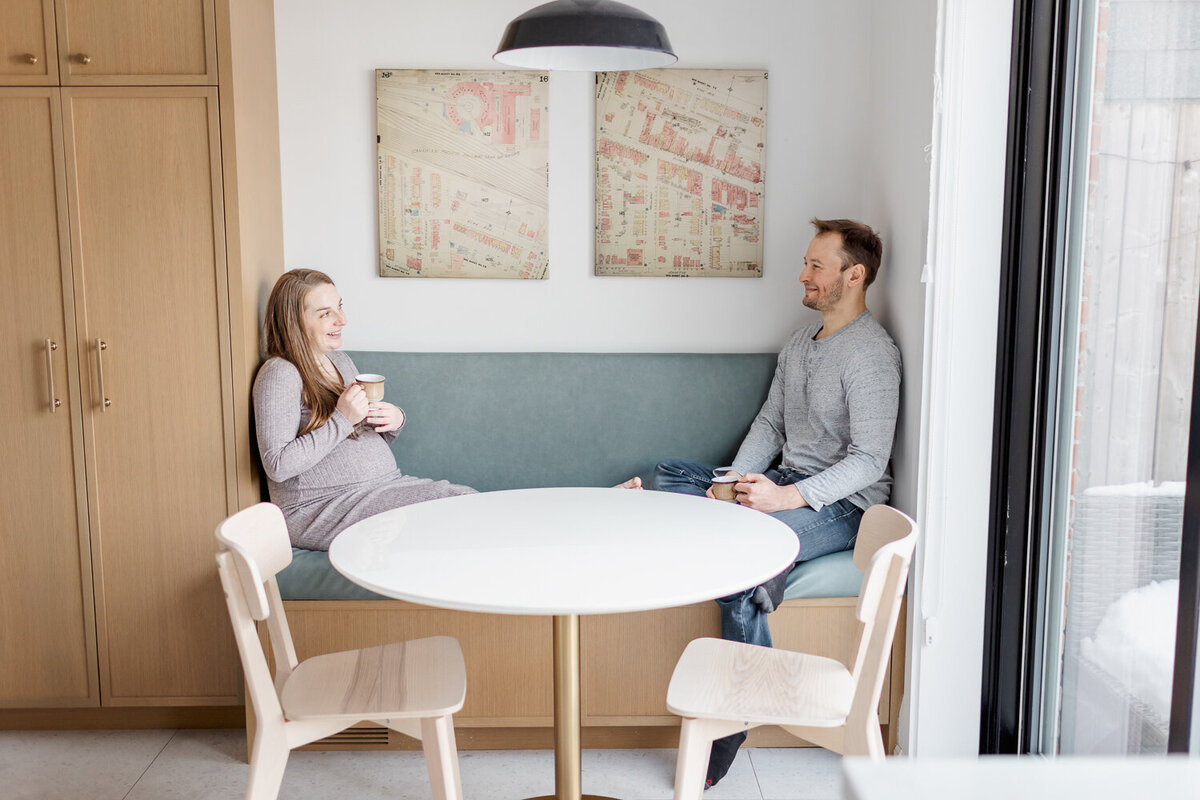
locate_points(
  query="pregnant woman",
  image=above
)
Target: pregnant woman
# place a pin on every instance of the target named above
(325, 470)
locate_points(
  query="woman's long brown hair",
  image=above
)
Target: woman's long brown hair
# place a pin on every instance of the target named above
(286, 338)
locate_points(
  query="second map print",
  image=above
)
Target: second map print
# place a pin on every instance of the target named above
(463, 170)
(679, 172)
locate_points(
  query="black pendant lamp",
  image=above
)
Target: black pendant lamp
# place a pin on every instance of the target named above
(586, 35)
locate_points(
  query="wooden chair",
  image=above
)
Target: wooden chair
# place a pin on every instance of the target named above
(721, 687)
(411, 687)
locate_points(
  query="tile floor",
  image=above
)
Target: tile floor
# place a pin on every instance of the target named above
(209, 764)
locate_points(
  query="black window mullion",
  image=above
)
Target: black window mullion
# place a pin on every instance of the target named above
(1026, 368)
(1181, 736)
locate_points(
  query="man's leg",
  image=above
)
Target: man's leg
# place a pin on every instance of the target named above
(682, 477)
(742, 620)
(831, 530)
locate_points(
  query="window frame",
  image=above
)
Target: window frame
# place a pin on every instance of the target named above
(1034, 275)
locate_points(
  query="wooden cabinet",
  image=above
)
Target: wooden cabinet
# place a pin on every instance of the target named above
(144, 296)
(136, 41)
(47, 631)
(148, 256)
(107, 42)
(117, 204)
(28, 46)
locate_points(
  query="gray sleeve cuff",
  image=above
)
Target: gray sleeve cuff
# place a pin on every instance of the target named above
(806, 489)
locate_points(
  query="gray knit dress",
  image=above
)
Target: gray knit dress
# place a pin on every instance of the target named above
(324, 481)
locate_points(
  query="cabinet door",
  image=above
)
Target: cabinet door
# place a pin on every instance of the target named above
(116, 42)
(28, 56)
(47, 630)
(147, 239)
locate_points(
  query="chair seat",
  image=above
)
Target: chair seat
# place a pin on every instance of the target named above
(718, 679)
(421, 678)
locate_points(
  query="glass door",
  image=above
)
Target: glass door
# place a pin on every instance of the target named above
(1117, 453)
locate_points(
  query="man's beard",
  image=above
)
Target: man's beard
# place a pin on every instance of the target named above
(831, 298)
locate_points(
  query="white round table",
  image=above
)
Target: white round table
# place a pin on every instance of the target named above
(564, 552)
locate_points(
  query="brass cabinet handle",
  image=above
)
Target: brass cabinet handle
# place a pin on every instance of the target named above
(84, 58)
(101, 345)
(50, 348)
(31, 58)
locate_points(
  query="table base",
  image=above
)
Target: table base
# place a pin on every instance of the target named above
(568, 769)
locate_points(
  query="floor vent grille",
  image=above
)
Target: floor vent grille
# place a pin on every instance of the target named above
(365, 736)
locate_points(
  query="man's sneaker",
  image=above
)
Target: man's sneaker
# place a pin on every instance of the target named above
(724, 751)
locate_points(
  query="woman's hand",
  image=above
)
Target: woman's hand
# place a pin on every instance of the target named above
(385, 417)
(353, 404)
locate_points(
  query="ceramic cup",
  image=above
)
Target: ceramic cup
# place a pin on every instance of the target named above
(372, 384)
(723, 487)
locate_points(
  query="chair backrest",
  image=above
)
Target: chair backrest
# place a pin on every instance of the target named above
(883, 551)
(258, 538)
(254, 548)
(880, 525)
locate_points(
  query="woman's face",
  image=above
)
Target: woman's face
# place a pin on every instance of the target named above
(323, 318)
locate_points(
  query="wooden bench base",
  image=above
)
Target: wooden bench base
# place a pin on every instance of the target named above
(372, 737)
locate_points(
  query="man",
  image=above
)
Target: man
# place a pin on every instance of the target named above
(831, 413)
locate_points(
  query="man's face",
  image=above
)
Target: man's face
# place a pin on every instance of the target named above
(822, 276)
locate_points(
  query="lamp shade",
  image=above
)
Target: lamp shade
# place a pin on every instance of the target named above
(588, 35)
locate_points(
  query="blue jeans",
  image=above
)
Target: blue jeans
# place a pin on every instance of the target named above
(830, 530)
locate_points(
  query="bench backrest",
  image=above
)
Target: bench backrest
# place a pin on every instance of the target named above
(517, 420)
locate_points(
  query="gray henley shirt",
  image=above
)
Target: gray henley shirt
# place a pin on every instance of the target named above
(831, 411)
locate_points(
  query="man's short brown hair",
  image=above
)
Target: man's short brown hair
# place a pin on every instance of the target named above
(860, 244)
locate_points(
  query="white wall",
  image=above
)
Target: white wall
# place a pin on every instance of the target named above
(896, 200)
(817, 133)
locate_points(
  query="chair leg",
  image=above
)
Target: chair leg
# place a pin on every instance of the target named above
(875, 743)
(441, 757)
(267, 764)
(695, 742)
(865, 741)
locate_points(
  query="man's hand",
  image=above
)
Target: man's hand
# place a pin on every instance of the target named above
(759, 492)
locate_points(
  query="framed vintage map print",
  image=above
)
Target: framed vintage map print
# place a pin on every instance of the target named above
(679, 172)
(463, 173)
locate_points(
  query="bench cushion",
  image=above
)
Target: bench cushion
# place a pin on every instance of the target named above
(310, 577)
(833, 575)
